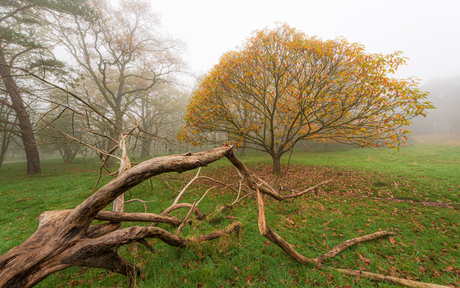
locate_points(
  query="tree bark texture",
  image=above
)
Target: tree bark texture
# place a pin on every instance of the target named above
(276, 163)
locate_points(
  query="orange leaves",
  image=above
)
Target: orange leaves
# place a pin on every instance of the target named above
(283, 86)
(392, 240)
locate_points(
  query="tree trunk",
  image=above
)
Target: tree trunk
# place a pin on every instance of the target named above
(25, 126)
(276, 163)
(145, 150)
(243, 150)
(6, 137)
(114, 134)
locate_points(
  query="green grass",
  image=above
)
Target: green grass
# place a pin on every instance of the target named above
(427, 249)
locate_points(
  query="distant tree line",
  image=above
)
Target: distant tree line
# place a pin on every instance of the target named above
(119, 70)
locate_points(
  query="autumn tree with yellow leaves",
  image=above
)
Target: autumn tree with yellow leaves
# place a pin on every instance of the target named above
(283, 87)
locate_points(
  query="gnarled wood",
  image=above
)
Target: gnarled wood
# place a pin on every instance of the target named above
(67, 238)
(275, 238)
(344, 245)
(137, 217)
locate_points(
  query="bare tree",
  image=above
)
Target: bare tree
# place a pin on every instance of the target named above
(122, 54)
(159, 112)
(51, 139)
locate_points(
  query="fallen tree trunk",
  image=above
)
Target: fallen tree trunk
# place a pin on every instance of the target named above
(67, 238)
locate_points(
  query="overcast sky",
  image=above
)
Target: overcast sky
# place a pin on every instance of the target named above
(428, 32)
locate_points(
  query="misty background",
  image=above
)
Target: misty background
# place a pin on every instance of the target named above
(427, 32)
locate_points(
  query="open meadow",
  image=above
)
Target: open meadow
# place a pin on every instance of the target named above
(414, 192)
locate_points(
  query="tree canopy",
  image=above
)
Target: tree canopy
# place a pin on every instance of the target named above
(282, 87)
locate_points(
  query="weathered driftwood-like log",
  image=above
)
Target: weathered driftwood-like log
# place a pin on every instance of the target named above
(67, 238)
(283, 244)
(136, 217)
(275, 238)
(344, 245)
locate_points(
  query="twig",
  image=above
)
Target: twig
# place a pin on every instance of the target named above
(204, 195)
(185, 220)
(185, 188)
(146, 244)
(239, 192)
(166, 212)
(139, 200)
(313, 188)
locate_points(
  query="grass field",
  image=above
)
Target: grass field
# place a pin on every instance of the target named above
(363, 198)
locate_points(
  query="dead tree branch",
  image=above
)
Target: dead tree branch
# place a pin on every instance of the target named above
(67, 238)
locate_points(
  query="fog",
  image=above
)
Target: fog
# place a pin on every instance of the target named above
(427, 32)
(445, 95)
